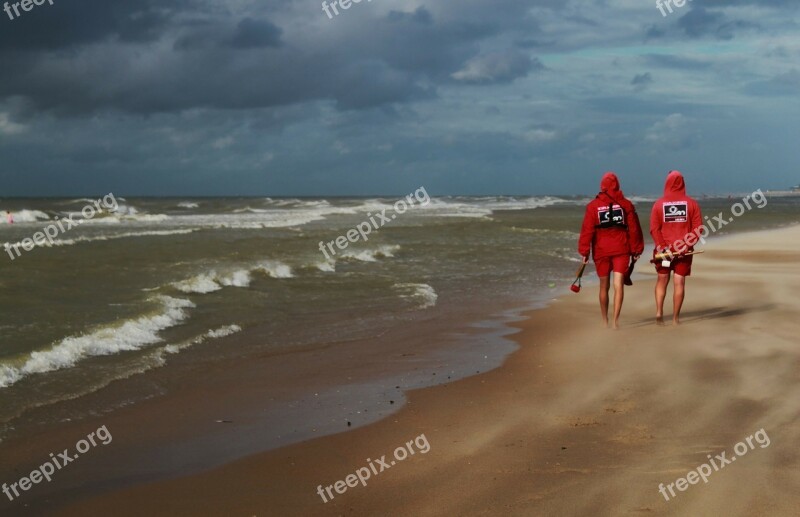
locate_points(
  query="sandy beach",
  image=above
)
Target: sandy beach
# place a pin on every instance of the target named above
(580, 421)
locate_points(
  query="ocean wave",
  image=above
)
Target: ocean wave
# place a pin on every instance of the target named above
(188, 204)
(200, 284)
(564, 254)
(423, 293)
(484, 206)
(156, 359)
(298, 203)
(96, 220)
(240, 278)
(146, 218)
(371, 255)
(123, 208)
(133, 334)
(26, 216)
(275, 269)
(326, 266)
(251, 220)
(249, 210)
(217, 333)
(213, 280)
(117, 219)
(124, 235)
(642, 199)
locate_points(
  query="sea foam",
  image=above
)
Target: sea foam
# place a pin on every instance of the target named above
(133, 334)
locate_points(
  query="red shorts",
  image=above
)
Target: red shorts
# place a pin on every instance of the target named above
(617, 264)
(681, 266)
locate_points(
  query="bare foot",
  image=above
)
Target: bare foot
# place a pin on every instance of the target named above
(676, 322)
(660, 321)
(616, 325)
(605, 324)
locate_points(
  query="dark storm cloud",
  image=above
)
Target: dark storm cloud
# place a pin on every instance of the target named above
(212, 59)
(252, 33)
(247, 34)
(68, 24)
(181, 95)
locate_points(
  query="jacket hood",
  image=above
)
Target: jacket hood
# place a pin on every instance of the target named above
(610, 186)
(675, 186)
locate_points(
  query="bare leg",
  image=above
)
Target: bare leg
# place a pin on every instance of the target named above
(661, 293)
(619, 296)
(604, 285)
(679, 291)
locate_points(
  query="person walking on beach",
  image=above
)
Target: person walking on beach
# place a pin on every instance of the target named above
(675, 219)
(612, 233)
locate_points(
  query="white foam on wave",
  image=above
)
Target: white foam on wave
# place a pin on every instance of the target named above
(200, 284)
(112, 339)
(188, 204)
(275, 269)
(8, 375)
(77, 240)
(482, 207)
(155, 359)
(298, 203)
(123, 208)
(240, 278)
(97, 220)
(252, 220)
(26, 216)
(223, 331)
(326, 266)
(423, 293)
(217, 333)
(117, 219)
(371, 255)
(146, 218)
(249, 210)
(211, 281)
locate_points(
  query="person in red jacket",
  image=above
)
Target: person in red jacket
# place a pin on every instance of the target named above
(611, 231)
(675, 224)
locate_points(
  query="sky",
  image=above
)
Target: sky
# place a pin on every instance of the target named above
(472, 97)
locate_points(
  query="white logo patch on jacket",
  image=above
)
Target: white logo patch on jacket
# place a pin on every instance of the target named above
(676, 212)
(615, 216)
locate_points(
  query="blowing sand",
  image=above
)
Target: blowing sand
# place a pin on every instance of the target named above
(580, 421)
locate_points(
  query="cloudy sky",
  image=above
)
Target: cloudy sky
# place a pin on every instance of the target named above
(273, 97)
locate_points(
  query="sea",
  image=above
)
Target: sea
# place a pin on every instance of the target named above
(130, 291)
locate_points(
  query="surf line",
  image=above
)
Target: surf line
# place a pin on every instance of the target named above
(51, 231)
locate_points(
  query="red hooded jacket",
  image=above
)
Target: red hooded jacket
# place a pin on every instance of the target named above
(610, 225)
(675, 216)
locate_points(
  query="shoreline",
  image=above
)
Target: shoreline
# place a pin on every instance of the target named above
(581, 419)
(148, 427)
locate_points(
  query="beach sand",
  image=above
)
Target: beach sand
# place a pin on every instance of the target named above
(580, 421)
